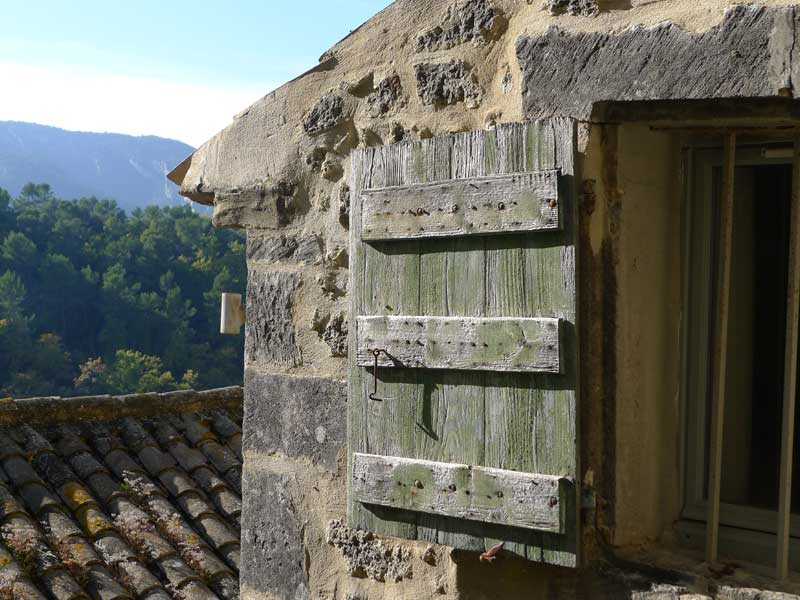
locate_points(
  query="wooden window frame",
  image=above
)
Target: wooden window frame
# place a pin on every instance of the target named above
(763, 532)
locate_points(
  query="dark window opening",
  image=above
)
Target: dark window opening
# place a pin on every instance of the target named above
(756, 336)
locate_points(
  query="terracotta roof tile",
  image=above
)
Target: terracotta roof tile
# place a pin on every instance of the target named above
(59, 525)
(202, 518)
(37, 497)
(93, 521)
(19, 470)
(103, 586)
(120, 461)
(145, 506)
(194, 505)
(188, 458)
(221, 457)
(136, 577)
(229, 431)
(223, 425)
(229, 504)
(114, 549)
(208, 480)
(196, 591)
(62, 586)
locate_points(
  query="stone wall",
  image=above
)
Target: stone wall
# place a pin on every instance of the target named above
(429, 67)
(55, 409)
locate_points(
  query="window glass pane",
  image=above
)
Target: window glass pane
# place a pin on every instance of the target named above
(754, 378)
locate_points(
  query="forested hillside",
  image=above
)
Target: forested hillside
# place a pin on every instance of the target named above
(94, 300)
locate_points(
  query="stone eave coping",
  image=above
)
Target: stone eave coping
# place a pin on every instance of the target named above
(55, 409)
(327, 61)
(178, 173)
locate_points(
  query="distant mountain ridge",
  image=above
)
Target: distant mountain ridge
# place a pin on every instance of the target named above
(131, 170)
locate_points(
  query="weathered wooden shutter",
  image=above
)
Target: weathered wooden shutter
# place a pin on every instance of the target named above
(463, 271)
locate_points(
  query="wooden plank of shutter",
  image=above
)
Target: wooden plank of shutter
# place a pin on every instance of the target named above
(474, 493)
(450, 408)
(498, 204)
(526, 345)
(530, 420)
(388, 283)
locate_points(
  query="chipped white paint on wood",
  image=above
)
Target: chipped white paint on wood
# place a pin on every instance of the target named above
(526, 500)
(508, 344)
(499, 204)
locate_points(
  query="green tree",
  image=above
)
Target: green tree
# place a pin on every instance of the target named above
(132, 371)
(12, 296)
(19, 251)
(36, 192)
(82, 280)
(15, 335)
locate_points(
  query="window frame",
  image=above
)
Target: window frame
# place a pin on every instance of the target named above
(737, 524)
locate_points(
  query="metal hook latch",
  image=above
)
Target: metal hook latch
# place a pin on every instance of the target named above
(376, 352)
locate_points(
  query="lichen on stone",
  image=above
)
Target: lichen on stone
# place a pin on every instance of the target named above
(368, 556)
(475, 21)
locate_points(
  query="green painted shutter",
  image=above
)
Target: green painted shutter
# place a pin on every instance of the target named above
(463, 270)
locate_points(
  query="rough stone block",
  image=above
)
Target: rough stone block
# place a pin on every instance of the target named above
(270, 332)
(305, 249)
(265, 207)
(585, 8)
(344, 205)
(335, 335)
(745, 56)
(475, 21)
(441, 84)
(296, 416)
(273, 554)
(326, 114)
(368, 556)
(387, 97)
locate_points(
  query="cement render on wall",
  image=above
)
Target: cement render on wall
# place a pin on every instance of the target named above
(429, 67)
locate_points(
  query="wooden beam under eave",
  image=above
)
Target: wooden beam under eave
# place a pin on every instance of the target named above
(789, 373)
(720, 347)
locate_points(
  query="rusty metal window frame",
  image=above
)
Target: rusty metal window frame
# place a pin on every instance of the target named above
(725, 525)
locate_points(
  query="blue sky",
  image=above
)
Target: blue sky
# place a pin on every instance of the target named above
(172, 68)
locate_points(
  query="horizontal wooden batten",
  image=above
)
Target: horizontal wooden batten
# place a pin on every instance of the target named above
(511, 344)
(461, 491)
(498, 204)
